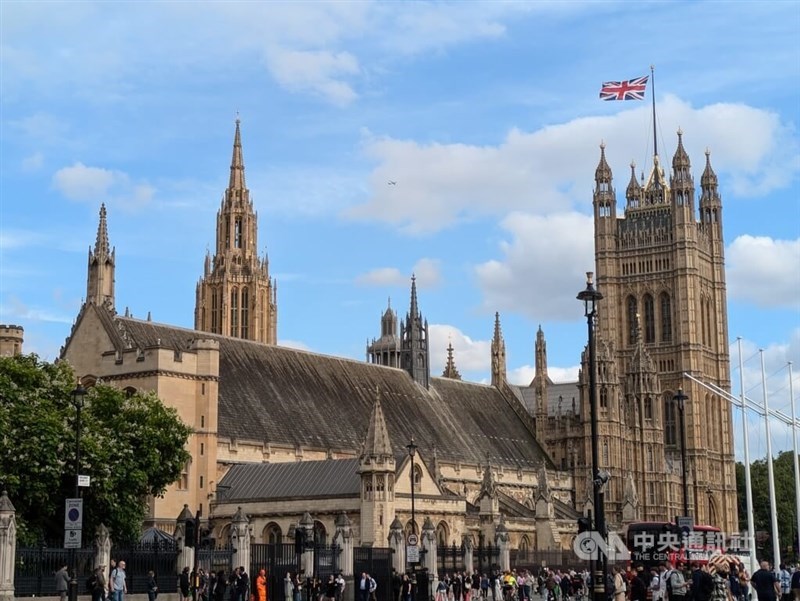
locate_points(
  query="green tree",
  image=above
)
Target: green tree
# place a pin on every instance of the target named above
(132, 447)
(783, 467)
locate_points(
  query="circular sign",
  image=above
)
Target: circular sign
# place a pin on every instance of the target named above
(413, 540)
(74, 514)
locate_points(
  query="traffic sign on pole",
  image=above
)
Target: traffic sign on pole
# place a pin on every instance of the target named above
(73, 514)
(72, 539)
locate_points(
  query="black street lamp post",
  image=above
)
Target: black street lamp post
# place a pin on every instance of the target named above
(78, 397)
(680, 398)
(412, 450)
(590, 297)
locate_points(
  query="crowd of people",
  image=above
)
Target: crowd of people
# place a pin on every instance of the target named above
(722, 578)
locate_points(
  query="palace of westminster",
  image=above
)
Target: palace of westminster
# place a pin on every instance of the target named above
(497, 459)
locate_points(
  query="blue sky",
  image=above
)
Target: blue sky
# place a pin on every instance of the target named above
(486, 115)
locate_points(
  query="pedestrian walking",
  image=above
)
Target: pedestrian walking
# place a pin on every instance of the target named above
(152, 586)
(185, 584)
(765, 582)
(261, 585)
(117, 582)
(62, 582)
(99, 586)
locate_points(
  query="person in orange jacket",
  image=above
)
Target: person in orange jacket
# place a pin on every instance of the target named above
(261, 585)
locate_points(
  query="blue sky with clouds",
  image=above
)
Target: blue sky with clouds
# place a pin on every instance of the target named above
(485, 113)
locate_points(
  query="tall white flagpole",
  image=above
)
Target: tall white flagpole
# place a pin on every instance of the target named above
(751, 527)
(776, 546)
(796, 460)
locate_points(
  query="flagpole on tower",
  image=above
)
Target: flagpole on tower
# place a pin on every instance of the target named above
(653, 94)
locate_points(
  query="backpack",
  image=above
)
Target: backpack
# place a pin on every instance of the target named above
(668, 576)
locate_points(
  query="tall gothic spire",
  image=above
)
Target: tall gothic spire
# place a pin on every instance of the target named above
(237, 162)
(101, 246)
(377, 443)
(236, 296)
(498, 353)
(680, 159)
(450, 370)
(414, 309)
(101, 267)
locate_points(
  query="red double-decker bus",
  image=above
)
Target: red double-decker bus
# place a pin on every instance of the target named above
(652, 543)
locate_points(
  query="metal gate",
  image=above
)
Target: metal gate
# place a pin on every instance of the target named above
(377, 562)
(278, 560)
(216, 559)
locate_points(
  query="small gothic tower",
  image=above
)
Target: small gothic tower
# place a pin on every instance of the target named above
(415, 354)
(539, 385)
(498, 354)
(100, 280)
(386, 349)
(450, 370)
(710, 202)
(236, 297)
(377, 471)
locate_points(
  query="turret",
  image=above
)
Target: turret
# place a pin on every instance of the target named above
(415, 354)
(682, 184)
(710, 201)
(386, 349)
(605, 200)
(450, 369)
(377, 470)
(498, 354)
(633, 193)
(100, 276)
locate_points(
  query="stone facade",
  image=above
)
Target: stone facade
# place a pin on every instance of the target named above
(664, 312)
(11, 339)
(241, 395)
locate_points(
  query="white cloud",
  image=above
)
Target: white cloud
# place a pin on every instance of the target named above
(318, 71)
(542, 267)
(427, 272)
(764, 271)
(523, 376)
(552, 169)
(80, 182)
(469, 355)
(33, 162)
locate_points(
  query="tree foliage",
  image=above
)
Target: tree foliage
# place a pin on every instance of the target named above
(783, 467)
(132, 447)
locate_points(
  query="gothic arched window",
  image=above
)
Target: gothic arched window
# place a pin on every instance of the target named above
(648, 408)
(417, 478)
(320, 534)
(237, 232)
(273, 534)
(245, 311)
(670, 421)
(234, 312)
(666, 317)
(632, 319)
(604, 398)
(649, 319)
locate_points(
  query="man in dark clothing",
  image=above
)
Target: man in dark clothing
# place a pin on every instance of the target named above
(766, 583)
(638, 586)
(702, 584)
(397, 585)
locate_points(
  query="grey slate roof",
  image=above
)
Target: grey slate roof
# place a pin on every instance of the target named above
(305, 480)
(560, 396)
(283, 395)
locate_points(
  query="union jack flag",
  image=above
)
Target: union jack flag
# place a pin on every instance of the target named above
(633, 89)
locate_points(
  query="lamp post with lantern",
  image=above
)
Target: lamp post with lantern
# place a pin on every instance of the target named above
(590, 296)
